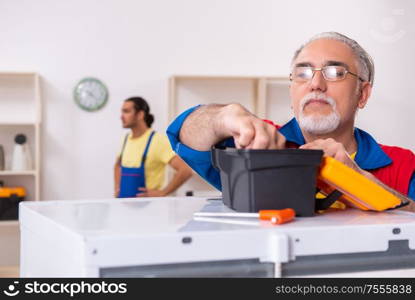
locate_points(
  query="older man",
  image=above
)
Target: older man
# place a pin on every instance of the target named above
(332, 77)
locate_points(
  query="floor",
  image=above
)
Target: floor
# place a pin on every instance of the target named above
(10, 245)
(11, 271)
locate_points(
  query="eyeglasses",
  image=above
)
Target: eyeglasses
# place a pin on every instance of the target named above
(330, 73)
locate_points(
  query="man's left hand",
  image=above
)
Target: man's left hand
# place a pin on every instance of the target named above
(338, 152)
(333, 149)
(144, 192)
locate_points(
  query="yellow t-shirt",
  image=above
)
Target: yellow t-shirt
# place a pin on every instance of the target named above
(158, 156)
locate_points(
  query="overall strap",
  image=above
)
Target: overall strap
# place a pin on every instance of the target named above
(143, 159)
(123, 147)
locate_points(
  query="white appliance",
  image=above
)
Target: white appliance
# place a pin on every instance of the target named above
(158, 237)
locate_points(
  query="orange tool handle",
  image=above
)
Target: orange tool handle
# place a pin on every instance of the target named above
(279, 216)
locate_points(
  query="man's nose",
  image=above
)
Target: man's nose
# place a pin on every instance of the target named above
(318, 83)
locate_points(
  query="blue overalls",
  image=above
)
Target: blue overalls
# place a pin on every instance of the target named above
(133, 178)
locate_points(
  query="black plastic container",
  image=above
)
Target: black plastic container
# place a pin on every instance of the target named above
(10, 197)
(253, 180)
(9, 207)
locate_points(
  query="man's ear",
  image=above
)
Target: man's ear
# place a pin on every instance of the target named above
(140, 115)
(364, 95)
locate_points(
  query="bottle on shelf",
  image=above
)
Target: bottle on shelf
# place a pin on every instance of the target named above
(21, 160)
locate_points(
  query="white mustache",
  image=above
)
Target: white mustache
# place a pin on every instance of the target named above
(317, 96)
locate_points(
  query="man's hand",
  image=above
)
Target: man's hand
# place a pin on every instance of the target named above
(338, 152)
(248, 131)
(333, 149)
(212, 123)
(144, 192)
(117, 176)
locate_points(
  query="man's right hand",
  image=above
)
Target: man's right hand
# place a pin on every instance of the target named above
(248, 131)
(213, 123)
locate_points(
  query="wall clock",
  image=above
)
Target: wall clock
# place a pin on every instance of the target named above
(90, 94)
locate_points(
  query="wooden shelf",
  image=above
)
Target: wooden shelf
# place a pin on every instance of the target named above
(17, 173)
(9, 222)
(18, 123)
(224, 77)
(15, 73)
(21, 113)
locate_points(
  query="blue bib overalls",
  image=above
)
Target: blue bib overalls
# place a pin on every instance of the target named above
(133, 178)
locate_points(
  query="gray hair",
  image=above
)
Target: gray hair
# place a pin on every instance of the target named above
(366, 67)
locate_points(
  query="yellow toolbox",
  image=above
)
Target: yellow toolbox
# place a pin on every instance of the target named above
(357, 190)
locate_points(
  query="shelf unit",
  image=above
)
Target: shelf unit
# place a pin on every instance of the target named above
(20, 112)
(265, 96)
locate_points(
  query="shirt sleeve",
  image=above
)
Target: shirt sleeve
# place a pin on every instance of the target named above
(164, 151)
(411, 191)
(199, 161)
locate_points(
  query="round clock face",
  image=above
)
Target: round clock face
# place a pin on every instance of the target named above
(90, 94)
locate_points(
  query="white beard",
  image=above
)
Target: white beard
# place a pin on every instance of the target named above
(320, 124)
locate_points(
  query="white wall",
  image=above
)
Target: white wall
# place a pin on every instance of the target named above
(133, 46)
